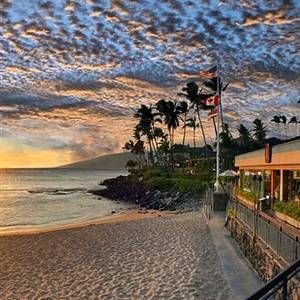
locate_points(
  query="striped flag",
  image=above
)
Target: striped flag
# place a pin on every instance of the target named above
(210, 73)
(213, 113)
(212, 101)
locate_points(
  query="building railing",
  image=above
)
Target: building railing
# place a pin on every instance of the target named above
(281, 286)
(207, 204)
(282, 244)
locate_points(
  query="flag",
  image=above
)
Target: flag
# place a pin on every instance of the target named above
(210, 73)
(211, 101)
(213, 113)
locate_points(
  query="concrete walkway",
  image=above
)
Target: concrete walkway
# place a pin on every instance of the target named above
(242, 279)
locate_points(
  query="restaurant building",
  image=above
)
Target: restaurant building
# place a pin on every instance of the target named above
(272, 172)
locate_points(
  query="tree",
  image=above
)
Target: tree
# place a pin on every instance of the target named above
(227, 146)
(131, 164)
(170, 111)
(244, 139)
(197, 100)
(191, 94)
(147, 119)
(192, 123)
(276, 119)
(259, 132)
(184, 107)
(137, 148)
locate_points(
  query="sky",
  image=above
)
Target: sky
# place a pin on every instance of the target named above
(72, 72)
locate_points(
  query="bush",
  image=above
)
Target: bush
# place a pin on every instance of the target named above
(290, 208)
(246, 194)
(155, 172)
(177, 184)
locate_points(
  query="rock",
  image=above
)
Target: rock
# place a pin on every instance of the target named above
(123, 187)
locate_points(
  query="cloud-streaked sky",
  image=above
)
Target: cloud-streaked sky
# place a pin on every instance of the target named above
(73, 71)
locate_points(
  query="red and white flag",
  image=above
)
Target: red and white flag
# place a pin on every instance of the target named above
(212, 101)
(210, 73)
(213, 113)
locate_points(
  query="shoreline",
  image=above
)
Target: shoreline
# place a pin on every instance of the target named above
(124, 216)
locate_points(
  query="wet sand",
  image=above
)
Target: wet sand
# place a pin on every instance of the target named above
(137, 256)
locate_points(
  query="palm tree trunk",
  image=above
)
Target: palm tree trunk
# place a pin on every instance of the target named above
(151, 151)
(184, 130)
(201, 126)
(154, 150)
(194, 136)
(171, 132)
(156, 145)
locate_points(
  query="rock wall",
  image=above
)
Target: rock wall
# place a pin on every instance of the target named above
(266, 263)
(260, 257)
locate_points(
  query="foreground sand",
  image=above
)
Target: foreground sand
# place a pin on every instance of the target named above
(152, 258)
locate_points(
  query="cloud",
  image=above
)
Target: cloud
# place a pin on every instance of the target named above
(41, 102)
(93, 62)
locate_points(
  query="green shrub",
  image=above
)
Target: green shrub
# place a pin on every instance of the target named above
(246, 194)
(290, 208)
(177, 184)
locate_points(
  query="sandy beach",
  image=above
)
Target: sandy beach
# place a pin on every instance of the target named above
(137, 257)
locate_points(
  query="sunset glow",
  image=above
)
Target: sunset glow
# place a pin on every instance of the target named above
(17, 155)
(73, 72)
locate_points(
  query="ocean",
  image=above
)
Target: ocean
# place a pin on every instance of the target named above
(39, 198)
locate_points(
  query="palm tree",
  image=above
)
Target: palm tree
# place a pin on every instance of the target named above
(147, 119)
(170, 110)
(184, 107)
(196, 99)
(259, 132)
(293, 120)
(283, 119)
(136, 148)
(276, 119)
(191, 122)
(244, 138)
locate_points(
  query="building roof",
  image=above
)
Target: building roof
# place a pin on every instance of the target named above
(286, 154)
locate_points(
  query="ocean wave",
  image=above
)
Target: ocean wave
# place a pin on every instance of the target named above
(57, 191)
(12, 190)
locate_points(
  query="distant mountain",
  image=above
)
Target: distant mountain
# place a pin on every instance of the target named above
(115, 161)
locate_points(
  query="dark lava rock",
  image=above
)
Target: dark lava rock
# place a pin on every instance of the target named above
(126, 189)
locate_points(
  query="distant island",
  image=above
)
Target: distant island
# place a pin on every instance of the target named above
(116, 161)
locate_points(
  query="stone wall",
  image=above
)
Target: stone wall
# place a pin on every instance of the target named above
(266, 263)
(261, 258)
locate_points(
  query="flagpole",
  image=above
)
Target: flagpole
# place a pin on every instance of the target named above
(215, 126)
(217, 183)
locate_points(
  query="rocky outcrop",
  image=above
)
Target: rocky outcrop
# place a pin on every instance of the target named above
(121, 188)
(125, 189)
